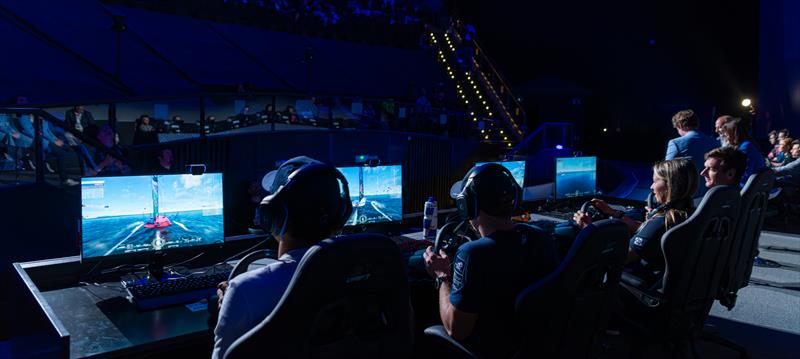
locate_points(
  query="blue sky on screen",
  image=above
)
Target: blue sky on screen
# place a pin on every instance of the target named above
(118, 196)
(576, 164)
(380, 180)
(517, 169)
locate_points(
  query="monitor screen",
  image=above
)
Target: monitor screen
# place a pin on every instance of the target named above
(122, 215)
(576, 177)
(376, 193)
(517, 169)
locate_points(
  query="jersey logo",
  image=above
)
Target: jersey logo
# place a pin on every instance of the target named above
(638, 241)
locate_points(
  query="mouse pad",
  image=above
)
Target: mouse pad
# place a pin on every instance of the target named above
(156, 324)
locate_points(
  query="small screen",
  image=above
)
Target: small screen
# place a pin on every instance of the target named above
(576, 177)
(376, 193)
(517, 169)
(122, 215)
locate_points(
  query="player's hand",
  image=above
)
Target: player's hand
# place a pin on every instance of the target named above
(582, 219)
(221, 288)
(59, 143)
(602, 206)
(15, 135)
(437, 265)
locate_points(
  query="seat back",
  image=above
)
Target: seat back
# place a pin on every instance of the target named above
(695, 254)
(562, 314)
(744, 247)
(348, 298)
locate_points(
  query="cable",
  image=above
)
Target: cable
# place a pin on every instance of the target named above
(184, 262)
(248, 250)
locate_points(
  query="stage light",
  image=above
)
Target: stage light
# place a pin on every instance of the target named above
(472, 113)
(475, 120)
(746, 102)
(505, 138)
(487, 109)
(509, 145)
(501, 131)
(559, 147)
(487, 137)
(490, 114)
(483, 131)
(605, 130)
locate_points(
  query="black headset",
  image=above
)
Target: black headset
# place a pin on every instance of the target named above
(467, 201)
(274, 208)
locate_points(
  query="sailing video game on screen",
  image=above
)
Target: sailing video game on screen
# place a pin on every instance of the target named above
(130, 214)
(376, 193)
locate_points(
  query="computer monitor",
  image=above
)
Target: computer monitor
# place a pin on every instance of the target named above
(517, 169)
(576, 177)
(133, 214)
(376, 193)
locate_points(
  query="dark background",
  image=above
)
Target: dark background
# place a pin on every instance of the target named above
(622, 65)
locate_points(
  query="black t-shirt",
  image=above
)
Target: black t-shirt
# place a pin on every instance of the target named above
(646, 243)
(487, 276)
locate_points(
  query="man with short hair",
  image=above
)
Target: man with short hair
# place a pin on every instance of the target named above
(723, 166)
(691, 144)
(476, 300)
(249, 298)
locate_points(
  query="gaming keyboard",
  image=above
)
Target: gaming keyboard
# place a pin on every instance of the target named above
(191, 288)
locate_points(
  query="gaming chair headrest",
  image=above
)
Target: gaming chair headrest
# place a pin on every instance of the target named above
(320, 191)
(490, 188)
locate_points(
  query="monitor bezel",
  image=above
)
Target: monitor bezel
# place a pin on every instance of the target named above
(402, 196)
(555, 180)
(147, 255)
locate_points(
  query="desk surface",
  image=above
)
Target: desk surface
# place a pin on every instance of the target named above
(101, 320)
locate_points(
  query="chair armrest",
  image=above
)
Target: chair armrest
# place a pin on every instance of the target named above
(439, 335)
(633, 285)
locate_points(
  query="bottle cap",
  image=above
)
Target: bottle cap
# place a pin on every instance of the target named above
(431, 199)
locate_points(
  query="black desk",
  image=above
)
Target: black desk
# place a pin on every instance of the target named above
(87, 320)
(97, 320)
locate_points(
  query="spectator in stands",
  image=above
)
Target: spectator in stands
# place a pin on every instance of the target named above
(721, 121)
(773, 141)
(790, 173)
(723, 166)
(674, 185)
(476, 297)
(145, 131)
(290, 115)
(211, 123)
(784, 155)
(81, 120)
(269, 114)
(109, 163)
(164, 161)
(736, 135)
(692, 144)
(17, 144)
(247, 299)
(176, 124)
(784, 133)
(53, 146)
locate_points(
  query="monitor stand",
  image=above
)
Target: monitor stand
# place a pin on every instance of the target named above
(155, 269)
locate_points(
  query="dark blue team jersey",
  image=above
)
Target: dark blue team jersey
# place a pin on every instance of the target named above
(487, 276)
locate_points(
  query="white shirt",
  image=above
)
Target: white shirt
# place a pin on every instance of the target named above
(78, 124)
(251, 297)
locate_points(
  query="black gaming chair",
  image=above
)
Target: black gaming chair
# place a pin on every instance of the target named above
(744, 248)
(348, 299)
(695, 253)
(562, 314)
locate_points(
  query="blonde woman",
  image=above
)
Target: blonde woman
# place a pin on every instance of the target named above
(674, 185)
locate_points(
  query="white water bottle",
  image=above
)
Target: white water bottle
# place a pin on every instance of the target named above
(430, 219)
